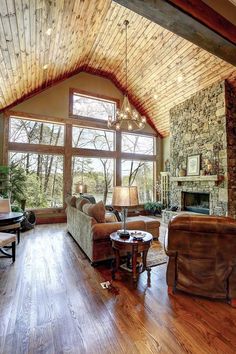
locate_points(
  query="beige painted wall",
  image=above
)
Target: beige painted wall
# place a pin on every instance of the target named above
(55, 100)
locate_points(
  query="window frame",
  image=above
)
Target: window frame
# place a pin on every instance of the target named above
(97, 97)
(68, 151)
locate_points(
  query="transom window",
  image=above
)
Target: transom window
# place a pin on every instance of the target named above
(92, 107)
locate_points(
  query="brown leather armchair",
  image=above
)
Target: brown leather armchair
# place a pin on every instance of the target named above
(202, 256)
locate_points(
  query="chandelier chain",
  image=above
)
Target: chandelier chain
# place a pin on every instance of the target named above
(126, 117)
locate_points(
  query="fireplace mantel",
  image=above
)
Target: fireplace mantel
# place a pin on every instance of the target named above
(210, 178)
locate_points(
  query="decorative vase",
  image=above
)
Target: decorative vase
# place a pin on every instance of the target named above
(182, 172)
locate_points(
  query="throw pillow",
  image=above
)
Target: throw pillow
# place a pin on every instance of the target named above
(110, 217)
(80, 202)
(96, 211)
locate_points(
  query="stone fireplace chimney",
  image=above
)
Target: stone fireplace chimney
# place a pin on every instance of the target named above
(205, 124)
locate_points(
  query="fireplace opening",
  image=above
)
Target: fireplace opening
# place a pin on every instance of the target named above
(196, 202)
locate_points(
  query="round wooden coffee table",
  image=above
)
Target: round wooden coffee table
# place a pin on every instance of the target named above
(132, 247)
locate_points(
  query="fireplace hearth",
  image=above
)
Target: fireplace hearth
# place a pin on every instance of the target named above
(196, 202)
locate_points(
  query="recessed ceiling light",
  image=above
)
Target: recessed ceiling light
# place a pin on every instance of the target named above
(179, 78)
(45, 67)
(155, 97)
(49, 32)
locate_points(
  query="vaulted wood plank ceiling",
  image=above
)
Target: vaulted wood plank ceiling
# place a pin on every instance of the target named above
(163, 69)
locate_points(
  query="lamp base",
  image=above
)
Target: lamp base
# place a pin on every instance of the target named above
(123, 233)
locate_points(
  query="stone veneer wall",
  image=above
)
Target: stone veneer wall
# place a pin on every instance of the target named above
(198, 126)
(230, 89)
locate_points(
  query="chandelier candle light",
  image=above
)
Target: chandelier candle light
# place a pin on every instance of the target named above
(126, 117)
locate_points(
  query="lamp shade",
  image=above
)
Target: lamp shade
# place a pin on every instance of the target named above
(81, 188)
(125, 196)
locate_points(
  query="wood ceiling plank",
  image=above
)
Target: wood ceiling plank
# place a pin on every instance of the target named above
(58, 24)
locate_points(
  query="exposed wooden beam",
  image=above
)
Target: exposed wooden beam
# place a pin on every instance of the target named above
(209, 17)
(182, 18)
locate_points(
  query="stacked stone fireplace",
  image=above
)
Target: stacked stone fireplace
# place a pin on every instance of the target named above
(206, 125)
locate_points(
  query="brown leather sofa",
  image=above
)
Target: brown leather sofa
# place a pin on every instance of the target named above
(202, 256)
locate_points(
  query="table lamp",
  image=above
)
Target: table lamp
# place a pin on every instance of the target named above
(124, 197)
(81, 188)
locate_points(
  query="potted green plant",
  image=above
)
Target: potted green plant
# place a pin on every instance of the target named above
(13, 183)
(154, 208)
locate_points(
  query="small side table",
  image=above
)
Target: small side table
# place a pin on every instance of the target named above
(132, 246)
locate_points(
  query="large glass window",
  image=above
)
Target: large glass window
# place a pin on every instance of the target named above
(44, 178)
(91, 107)
(97, 174)
(84, 138)
(140, 174)
(137, 144)
(35, 132)
(37, 145)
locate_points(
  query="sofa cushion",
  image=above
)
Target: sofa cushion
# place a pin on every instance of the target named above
(80, 202)
(96, 211)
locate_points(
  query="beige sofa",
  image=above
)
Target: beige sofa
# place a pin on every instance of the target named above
(93, 237)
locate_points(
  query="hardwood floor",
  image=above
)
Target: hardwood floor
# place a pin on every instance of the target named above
(51, 301)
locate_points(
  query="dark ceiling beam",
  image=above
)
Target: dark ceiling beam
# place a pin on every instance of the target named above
(182, 17)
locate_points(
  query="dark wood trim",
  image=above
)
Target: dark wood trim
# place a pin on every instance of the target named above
(5, 139)
(67, 162)
(94, 153)
(36, 148)
(118, 179)
(183, 24)
(207, 16)
(129, 156)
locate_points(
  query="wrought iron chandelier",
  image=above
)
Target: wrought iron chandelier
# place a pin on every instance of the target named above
(126, 117)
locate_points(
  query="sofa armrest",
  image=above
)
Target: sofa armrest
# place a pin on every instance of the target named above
(102, 231)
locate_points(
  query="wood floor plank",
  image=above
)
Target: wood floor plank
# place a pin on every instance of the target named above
(51, 302)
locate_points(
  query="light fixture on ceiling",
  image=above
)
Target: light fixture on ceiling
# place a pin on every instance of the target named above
(179, 79)
(126, 117)
(49, 31)
(45, 67)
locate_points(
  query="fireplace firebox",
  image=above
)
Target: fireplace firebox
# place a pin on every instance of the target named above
(197, 202)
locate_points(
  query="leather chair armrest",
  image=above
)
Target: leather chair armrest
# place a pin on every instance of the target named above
(169, 253)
